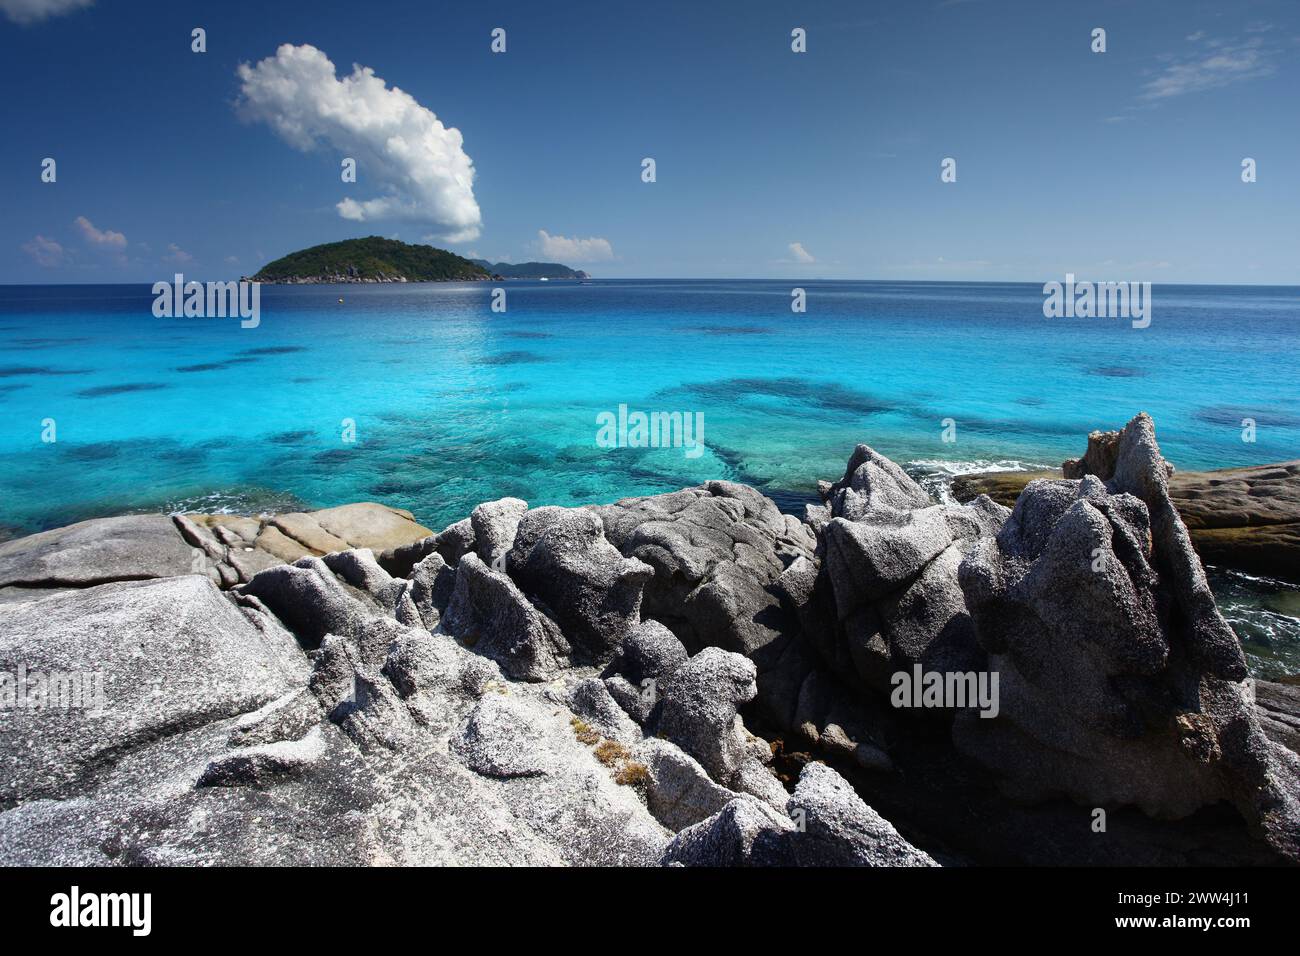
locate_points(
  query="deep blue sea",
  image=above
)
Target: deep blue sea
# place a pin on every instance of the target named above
(454, 404)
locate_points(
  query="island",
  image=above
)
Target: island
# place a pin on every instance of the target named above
(531, 270)
(376, 259)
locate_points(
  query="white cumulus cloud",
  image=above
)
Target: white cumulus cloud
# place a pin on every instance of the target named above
(400, 146)
(100, 238)
(801, 254)
(565, 250)
(31, 11)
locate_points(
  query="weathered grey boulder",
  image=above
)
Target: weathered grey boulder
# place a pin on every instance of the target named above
(489, 613)
(1120, 681)
(310, 600)
(700, 703)
(870, 559)
(417, 662)
(872, 485)
(716, 552)
(650, 652)
(834, 827)
(455, 541)
(746, 832)
(637, 700)
(359, 568)
(360, 699)
(880, 596)
(432, 583)
(494, 524)
(590, 699)
(755, 778)
(111, 669)
(499, 740)
(679, 791)
(561, 557)
(451, 544)
(824, 824)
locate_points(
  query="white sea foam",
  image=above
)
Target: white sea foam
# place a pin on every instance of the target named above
(935, 475)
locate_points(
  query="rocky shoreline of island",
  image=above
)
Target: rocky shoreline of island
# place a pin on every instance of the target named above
(690, 678)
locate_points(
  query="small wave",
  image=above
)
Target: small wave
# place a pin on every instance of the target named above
(239, 502)
(1230, 574)
(1262, 613)
(935, 475)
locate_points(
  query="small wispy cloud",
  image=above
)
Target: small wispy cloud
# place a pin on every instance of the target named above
(100, 238)
(176, 254)
(32, 11)
(45, 252)
(109, 244)
(801, 255)
(1211, 64)
(564, 249)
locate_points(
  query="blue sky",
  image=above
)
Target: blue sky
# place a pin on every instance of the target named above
(1117, 165)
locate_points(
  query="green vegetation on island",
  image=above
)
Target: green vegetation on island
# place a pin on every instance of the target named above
(372, 259)
(530, 270)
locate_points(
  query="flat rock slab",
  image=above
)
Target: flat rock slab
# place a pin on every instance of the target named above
(227, 548)
(136, 662)
(367, 524)
(299, 534)
(129, 548)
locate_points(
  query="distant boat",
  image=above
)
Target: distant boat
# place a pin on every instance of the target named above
(544, 279)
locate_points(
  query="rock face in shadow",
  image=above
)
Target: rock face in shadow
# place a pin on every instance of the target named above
(1120, 681)
(715, 551)
(1245, 519)
(560, 556)
(489, 611)
(1279, 712)
(823, 823)
(879, 596)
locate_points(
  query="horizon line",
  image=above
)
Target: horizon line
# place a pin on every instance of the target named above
(781, 279)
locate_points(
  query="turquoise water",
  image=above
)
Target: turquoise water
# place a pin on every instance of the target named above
(454, 404)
